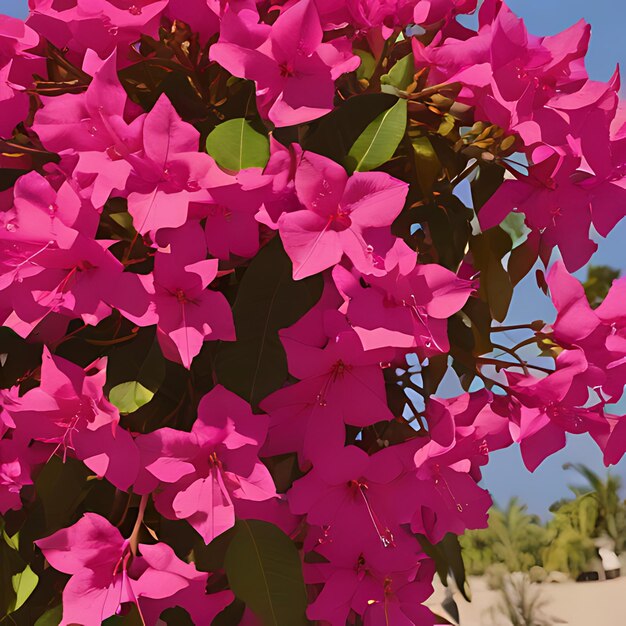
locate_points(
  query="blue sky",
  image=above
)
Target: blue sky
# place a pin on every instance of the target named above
(505, 476)
(16, 8)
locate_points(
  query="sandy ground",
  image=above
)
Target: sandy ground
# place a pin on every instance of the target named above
(575, 604)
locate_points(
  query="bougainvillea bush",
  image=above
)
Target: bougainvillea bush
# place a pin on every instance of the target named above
(236, 265)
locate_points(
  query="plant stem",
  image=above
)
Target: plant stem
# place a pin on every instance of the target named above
(501, 329)
(514, 354)
(134, 537)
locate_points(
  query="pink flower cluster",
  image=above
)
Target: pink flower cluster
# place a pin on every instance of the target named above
(571, 129)
(356, 507)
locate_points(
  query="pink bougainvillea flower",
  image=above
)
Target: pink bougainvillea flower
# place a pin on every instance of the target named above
(92, 125)
(348, 488)
(359, 575)
(555, 405)
(599, 333)
(282, 167)
(99, 25)
(575, 319)
(479, 416)
(340, 384)
(293, 70)
(40, 218)
(406, 308)
(69, 410)
(552, 204)
(169, 173)
(511, 77)
(8, 397)
(402, 604)
(231, 227)
(202, 475)
(433, 11)
(75, 282)
(50, 262)
(17, 67)
(560, 202)
(341, 216)
(447, 498)
(613, 443)
(17, 462)
(105, 575)
(175, 297)
(163, 581)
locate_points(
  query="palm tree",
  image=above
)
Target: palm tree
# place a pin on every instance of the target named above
(518, 536)
(571, 548)
(611, 517)
(513, 538)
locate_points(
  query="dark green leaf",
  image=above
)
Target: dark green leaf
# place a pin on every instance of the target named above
(522, 260)
(489, 178)
(452, 551)
(60, 504)
(235, 145)
(176, 616)
(378, 142)
(131, 617)
(448, 559)
(496, 289)
(232, 614)
(268, 300)
(138, 360)
(427, 165)
(479, 315)
(433, 373)
(264, 570)
(52, 617)
(333, 135)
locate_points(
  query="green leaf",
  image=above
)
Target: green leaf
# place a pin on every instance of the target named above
(401, 74)
(13, 542)
(131, 618)
(599, 281)
(448, 558)
(452, 551)
(123, 219)
(427, 163)
(60, 505)
(52, 617)
(368, 64)
(378, 142)
(490, 176)
(332, 136)
(521, 261)
(24, 584)
(11, 563)
(268, 299)
(488, 250)
(130, 396)
(235, 145)
(140, 359)
(514, 225)
(264, 570)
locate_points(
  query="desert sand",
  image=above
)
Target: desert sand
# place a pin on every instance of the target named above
(575, 604)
